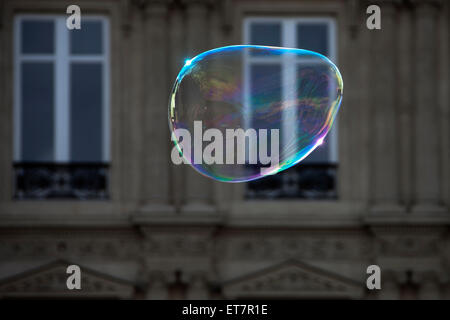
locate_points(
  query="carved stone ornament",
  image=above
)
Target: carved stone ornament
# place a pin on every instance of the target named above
(50, 280)
(293, 279)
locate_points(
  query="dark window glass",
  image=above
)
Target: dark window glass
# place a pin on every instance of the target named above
(307, 82)
(321, 154)
(37, 37)
(313, 36)
(37, 111)
(266, 90)
(88, 39)
(86, 102)
(265, 34)
(265, 84)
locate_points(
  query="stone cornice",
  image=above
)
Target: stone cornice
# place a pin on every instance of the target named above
(197, 2)
(383, 3)
(433, 3)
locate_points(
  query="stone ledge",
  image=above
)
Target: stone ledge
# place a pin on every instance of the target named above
(62, 219)
(408, 219)
(174, 219)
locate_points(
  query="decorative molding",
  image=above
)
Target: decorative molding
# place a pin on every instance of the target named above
(407, 246)
(269, 247)
(50, 280)
(381, 3)
(413, 254)
(99, 248)
(409, 242)
(292, 279)
(188, 3)
(177, 246)
(429, 3)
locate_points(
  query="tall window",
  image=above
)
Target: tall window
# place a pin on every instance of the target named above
(61, 107)
(315, 176)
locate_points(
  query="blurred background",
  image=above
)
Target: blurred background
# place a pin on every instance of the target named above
(86, 176)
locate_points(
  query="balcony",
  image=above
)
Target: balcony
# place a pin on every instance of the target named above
(82, 181)
(303, 181)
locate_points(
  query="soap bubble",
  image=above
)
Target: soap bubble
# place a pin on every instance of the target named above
(279, 103)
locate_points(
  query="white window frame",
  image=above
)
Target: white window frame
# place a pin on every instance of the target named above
(62, 58)
(289, 40)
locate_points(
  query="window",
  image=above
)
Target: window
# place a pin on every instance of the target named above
(61, 108)
(315, 176)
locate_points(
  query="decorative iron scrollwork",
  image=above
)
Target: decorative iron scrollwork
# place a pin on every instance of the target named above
(303, 181)
(83, 181)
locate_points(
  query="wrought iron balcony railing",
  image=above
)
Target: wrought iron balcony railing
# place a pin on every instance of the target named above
(89, 181)
(303, 181)
(83, 181)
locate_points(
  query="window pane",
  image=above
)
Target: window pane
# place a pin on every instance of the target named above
(37, 37)
(265, 90)
(37, 111)
(86, 102)
(88, 39)
(314, 37)
(265, 34)
(321, 88)
(321, 154)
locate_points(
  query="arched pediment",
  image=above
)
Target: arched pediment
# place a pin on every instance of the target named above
(293, 279)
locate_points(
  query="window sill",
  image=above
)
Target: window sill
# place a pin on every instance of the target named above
(62, 208)
(58, 212)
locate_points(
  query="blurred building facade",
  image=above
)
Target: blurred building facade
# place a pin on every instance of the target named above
(86, 176)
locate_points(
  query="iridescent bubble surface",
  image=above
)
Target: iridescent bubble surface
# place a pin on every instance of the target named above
(294, 92)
